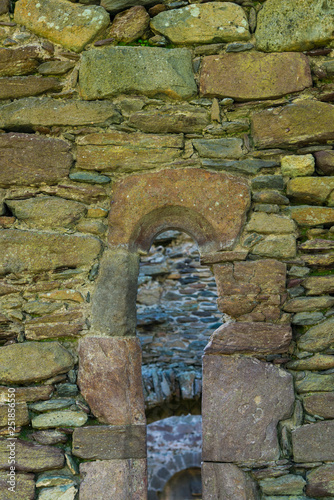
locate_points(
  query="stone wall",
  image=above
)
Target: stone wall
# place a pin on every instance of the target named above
(211, 118)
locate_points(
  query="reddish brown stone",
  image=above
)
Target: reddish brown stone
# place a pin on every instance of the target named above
(31, 457)
(28, 394)
(310, 216)
(321, 403)
(20, 61)
(250, 338)
(209, 206)
(156, 9)
(13, 88)
(227, 482)
(314, 442)
(320, 482)
(52, 331)
(110, 379)
(324, 161)
(130, 24)
(255, 75)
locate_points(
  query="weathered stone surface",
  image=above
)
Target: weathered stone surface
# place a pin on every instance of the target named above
(177, 119)
(270, 224)
(4, 6)
(40, 361)
(70, 25)
(16, 87)
(304, 318)
(203, 23)
(270, 197)
(298, 165)
(278, 247)
(300, 304)
(110, 379)
(123, 70)
(217, 148)
(318, 337)
(21, 415)
(128, 152)
(65, 418)
(52, 330)
(316, 362)
(110, 442)
(324, 161)
(254, 75)
(314, 382)
(249, 338)
(55, 67)
(52, 404)
(295, 124)
(245, 166)
(312, 190)
(319, 261)
(31, 457)
(228, 482)
(321, 404)
(27, 159)
(285, 485)
(89, 177)
(46, 111)
(50, 436)
(145, 205)
(64, 492)
(314, 442)
(36, 251)
(84, 192)
(294, 25)
(130, 24)
(317, 245)
(20, 61)
(306, 215)
(26, 394)
(47, 212)
(24, 487)
(320, 482)
(243, 399)
(268, 182)
(111, 479)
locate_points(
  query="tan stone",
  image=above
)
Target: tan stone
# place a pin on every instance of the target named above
(279, 247)
(110, 379)
(312, 190)
(20, 61)
(319, 261)
(85, 193)
(21, 414)
(270, 224)
(318, 337)
(52, 331)
(228, 482)
(130, 24)
(71, 295)
(31, 457)
(24, 487)
(27, 394)
(310, 216)
(314, 442)
(321, 403)
(319, 285)
(70, 25)
(320, 481)
(316, 362)
(297, 165)
(247, 76)
(300, 304)
(13, 88)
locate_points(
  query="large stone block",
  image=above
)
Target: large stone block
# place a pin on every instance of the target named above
(314, 442)
(320, 482)
(70, 25)
(284, 25)
(231, 147)
(319, 285)
(16, 87)
(20, 61)
(40, 361)
(210, 206)
(24, 487)
(27, 159)
(203, 23)
(295, 124)
(125, 70)
(110, 442)
(110, 379)
(310, 190)
(318, 337)
(30, 457)
(321, 404)
(36, 251)
(306, 215)
(114, 479)
(248, 76)
(227, 482)
(270, 224)
(177, 119)
(243, 400)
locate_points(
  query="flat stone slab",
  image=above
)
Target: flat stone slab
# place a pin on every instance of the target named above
(318, 338)
(65, 418)
(270, 224)
(24, 487)
(321, 404)
(248, 76)
(64, 492)
(203, 23)
(40, 360)
(110, 442)
(16, 87)
(27, 394)
(31, 457)
(70, 25)
(111, 479)
(243, 400)
(227, 482)
(320, 481)
(288, 484)
(37, 251)
(249, 338)
(306, 215)
(231, 147)
(20, 61)
(124, 70)
(295, 124)
(27, 159)
(21, 414)
(314, 442)
(310, 190)
(110, 379)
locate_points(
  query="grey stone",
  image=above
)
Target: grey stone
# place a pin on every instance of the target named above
(227, 482)
(314, 442)
(52, 404)
(49, 437)
(48, 479)
(114, 6)
(217, 148)
(116, 70)
(65, 418)
(305, 319)
(16, 87)
(315, 382)
(55, 67)
(247, 166)
(320, 481)
(90, 178)
(64, 492)
(321, 404)
(301, 304)
(285, 485)
(318, 337)
(268, 182)
(24, 486)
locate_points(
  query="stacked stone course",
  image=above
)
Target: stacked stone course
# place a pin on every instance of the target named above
(215, 119)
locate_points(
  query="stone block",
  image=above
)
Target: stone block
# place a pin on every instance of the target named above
(4, 6)
(21, 414)
(298, 165)
(316, 362)
(27, 394)
(227, 482)
(16, 87)
(27, 159)
(63, 492)
(314, 442)
(111, 479)
(300, 304)
(114, 6)
(324, 161)
(270, 224)
(110, 379)
(123, 70)
(243, 400)
(249, 338)
(288, 484)
(177, 119)
(254, 75)
(68, 24)
(110, 442)
(278, 247)
(320, 482)
(20, 61)
(203, 23)
(319, 285)
(65, 418)
(310, 190)
(30, 457)
(24, 487)
(310, 216)
(295, 124)
(321, 404)
(314, 382)
(130, 24)
(231, 147)
(319, 337)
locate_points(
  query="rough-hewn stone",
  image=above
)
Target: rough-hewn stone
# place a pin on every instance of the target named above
(316, 362)
(228, 482)
(20, 61)
(319, 285)
(320, 482)
(314, 382)
(124, 70)
(21, 414)
(297, 165)
(16, 87)
(65, 418)
(318, 337)
(278, 247)
(240, 418)
(110, 379)
(4, 6)
(249, 338)
(270, 224)
(145, 205)
(27, 394)
(55, 67)
(310, 190)
(110, 442)
(285, 485)
(24, 487)
(297, 124)
(254, 75)
(111, 479)
(70, 25)
(203, 23)
(177, 119)
(63, 492)
(324, 161)
(284, 25)
(306, 215)
(37, 251)
(314, 442)
(216, 148)
(31, 457)
(321, 404)
(27, 159)
(300, 304)
(35, 111)
(40, 361)
(130, 24)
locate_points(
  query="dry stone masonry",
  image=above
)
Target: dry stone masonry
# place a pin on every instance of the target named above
(121, 120)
